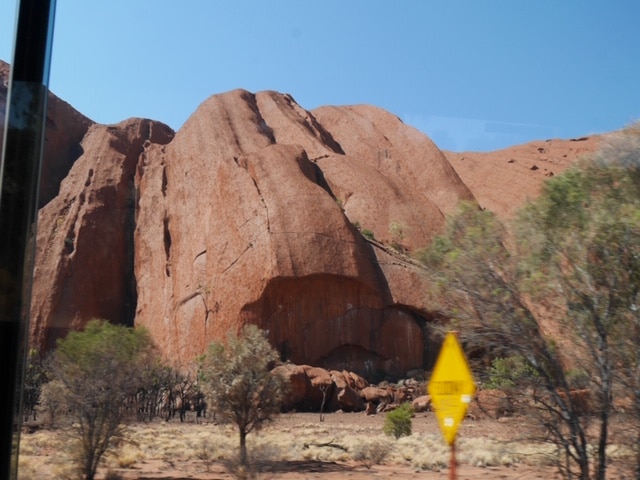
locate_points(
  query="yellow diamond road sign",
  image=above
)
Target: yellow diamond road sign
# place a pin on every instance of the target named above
(451, 387)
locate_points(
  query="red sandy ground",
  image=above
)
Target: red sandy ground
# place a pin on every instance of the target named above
(309, 469)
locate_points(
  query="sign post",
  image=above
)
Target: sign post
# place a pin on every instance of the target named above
(451, 388)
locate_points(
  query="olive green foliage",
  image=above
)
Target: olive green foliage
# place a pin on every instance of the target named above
(241, 388)
(398, 234)
(584, 235)
(94, 370)
(575, 254)
(479, 284)
(367, 234)
(509, 372)
(578, 378)
(397, 423)
(52, 397)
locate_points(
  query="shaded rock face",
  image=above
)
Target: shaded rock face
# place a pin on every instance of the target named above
(253, 212)
(64, 132)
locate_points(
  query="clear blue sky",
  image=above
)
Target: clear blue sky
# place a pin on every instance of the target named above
(473, 75)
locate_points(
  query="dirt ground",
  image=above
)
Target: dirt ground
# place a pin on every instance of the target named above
(353, 471)
(324, 458)
(505, 430)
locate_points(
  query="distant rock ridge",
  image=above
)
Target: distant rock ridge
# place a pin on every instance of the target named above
(502, 180)
(255, 211)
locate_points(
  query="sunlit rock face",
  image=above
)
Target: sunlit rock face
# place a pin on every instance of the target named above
(255, 211)
(252, 214)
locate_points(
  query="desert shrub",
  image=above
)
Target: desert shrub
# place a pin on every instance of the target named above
(371, 453)
(577, 378)
(398, 234)
(127, 460)
(508, 372)
(205, 453)
(93, 371)
(241, 387)
(52, 400)
(35, 377)
(368, 234)
(398, 421)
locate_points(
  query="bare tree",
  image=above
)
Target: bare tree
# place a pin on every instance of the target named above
(156, 382)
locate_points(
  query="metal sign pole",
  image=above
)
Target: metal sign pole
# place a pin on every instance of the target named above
(19, 182)
(452, 465)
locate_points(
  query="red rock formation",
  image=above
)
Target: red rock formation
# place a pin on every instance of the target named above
(310, 386)
(253, 231)
(503, 180)
(65, 129)
(252, 212)
(84, 262)
(393, 180)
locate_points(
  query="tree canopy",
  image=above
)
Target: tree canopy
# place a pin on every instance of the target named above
(567, 271)
(97, 368)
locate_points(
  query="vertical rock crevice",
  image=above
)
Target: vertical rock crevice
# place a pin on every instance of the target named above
(130, 299)
(167, 246)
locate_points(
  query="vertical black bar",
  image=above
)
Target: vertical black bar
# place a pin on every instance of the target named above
(20, 175)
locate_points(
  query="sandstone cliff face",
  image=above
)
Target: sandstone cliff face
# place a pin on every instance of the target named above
(254, 211)
(254, 232)
(394, 180)
(84, 257)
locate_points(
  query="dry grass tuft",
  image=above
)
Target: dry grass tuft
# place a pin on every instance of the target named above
(128, 459)
(423, 451)
(371, 453)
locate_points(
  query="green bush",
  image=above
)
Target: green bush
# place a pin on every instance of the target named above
(508, 372)
(578, 378)
(92, 371)
(398, 421)
(368, 234)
